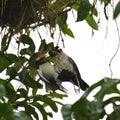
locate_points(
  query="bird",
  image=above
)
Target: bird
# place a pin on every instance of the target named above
(48, 74)
(67, 68)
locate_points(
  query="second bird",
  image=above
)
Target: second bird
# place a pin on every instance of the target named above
(48, 74)
(67, 68)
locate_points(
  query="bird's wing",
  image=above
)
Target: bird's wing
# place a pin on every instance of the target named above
(83, 84)
(66, 75)
(52, 83)
(42, 77)
(75, 67)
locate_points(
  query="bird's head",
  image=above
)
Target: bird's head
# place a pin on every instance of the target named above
(54, 51)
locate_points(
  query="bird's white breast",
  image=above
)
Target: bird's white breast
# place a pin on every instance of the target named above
(48, 71)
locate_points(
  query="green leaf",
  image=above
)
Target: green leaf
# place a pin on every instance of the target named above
(32, 61)
(95, 110)
(2, 91)
(83, 10)
(44, 47)
(28, 81)
(47, 47)
(50, 114)
(57, 95)
(50, 59)
(34, 91)
(27, 51)
(4, 82)
(41, 109)
(43, 43)
(6, 111)
(66, 112)
(11, 71)
(76, 5)
(4, 63)
(30, 110)
(117, 10)
(12, 58)
(93, 10)
(37, 1)
(27, 31)
(91, 22)
(67, 31)
(106, 1)
(62, 19)
(10, 92)
(21, 116)
(18, 103)
(85, 109)
(23, 92)
(64, 26)
(6, 60)
(112, 100)
(33, 73)
(48, 101)
(115, 115)
(108, 87)
(51, 103)
(79, 109)
(4, 41)
(25, 39)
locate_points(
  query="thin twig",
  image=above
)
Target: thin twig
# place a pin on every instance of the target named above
(39, 34)
(44, 22)
(62, 39)
(117, 47)
(58, 38)
(105, 12)
(9, 40)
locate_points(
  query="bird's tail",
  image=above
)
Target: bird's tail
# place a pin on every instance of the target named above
(83, 85)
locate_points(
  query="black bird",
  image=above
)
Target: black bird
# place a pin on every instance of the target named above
(67, 68)
(48, 74)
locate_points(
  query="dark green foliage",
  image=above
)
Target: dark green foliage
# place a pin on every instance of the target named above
(83, 10)
(117, 10)
(4, 62)
(25, 39)
(91, 21)
(66, 112)
(6, 111)
(62, 22)
(22, 69)
(4, 41)
(86, 109)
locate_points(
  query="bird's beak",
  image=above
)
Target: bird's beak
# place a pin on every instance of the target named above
(53, 53)
(54, 50)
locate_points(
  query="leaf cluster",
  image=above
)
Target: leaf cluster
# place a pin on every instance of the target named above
(29, 14)
(21, 90)
(23, 14)
(87, 109)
